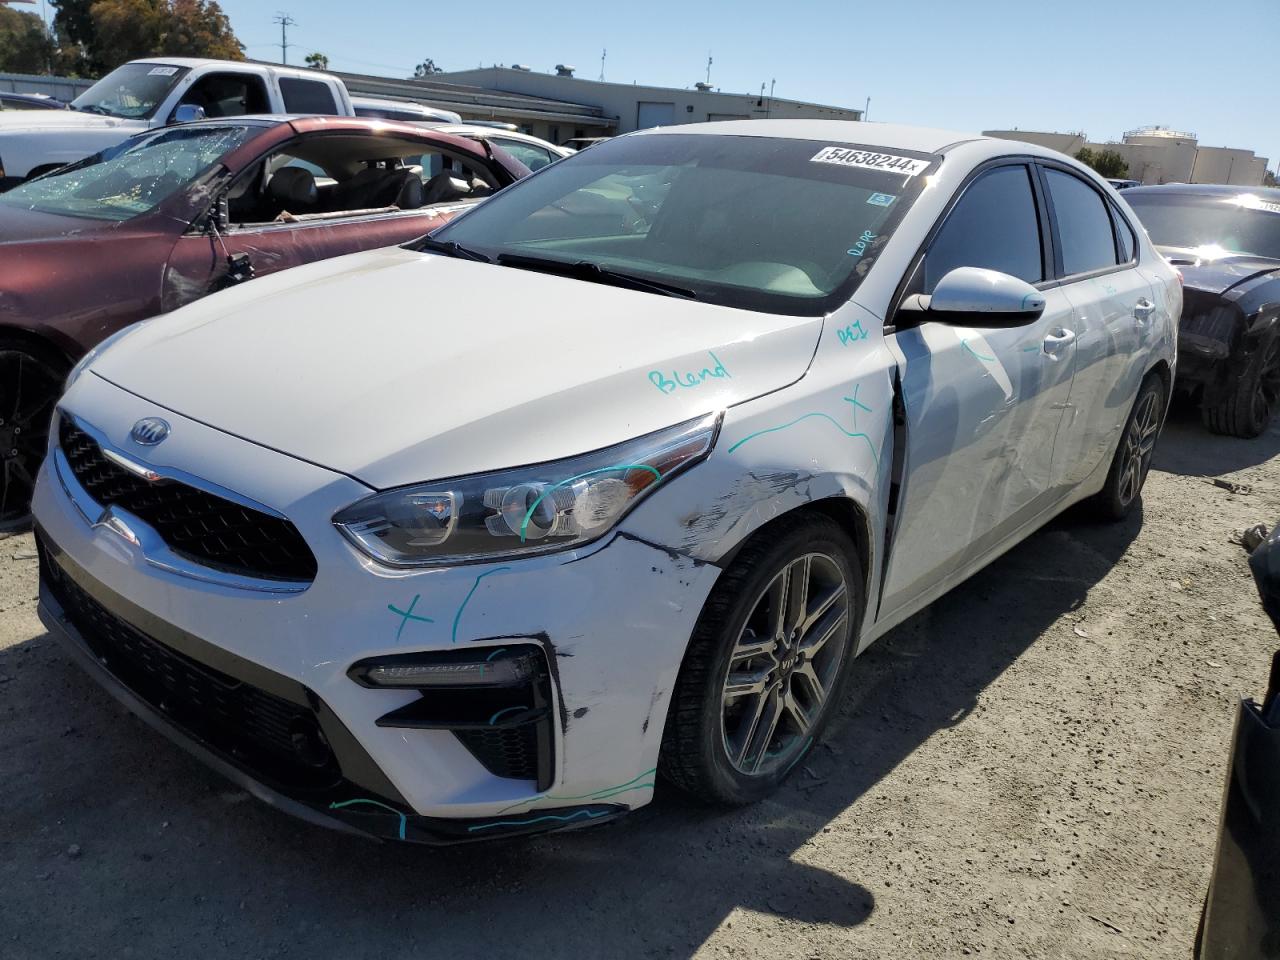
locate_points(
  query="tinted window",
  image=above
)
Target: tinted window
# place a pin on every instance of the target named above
(1211, 226)
(1125, 238)
(307, 96)
(994, 226)
(1084, 226)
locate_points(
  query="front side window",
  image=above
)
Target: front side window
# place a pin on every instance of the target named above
(228, 95)
(994, 225)
(131, 178)
(1084, 225)
(132, 91)
(1210, 226)
(772, 224)
(531, 156)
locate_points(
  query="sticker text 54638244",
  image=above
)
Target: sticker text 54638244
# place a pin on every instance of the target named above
(869, 160)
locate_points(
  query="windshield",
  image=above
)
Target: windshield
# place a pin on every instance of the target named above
(132, 177)
(1212, 227)
(772, 224)
(132, 91)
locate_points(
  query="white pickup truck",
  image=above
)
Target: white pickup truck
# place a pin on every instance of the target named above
(151, 93)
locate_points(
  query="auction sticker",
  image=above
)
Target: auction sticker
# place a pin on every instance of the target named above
(867, 160)
(162, 71)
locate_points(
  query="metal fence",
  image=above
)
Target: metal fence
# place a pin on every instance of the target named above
(64, 88)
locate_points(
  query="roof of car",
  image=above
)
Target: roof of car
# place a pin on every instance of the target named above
(922, 139)
(1207, 190)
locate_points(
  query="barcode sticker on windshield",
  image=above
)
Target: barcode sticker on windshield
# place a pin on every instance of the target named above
(887, 162)
(1250, 202)
(162, 71)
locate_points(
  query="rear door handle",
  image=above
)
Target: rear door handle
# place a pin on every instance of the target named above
(1143, 309)
(1056, 343)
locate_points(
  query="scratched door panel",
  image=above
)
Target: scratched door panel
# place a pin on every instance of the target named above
(983, 409)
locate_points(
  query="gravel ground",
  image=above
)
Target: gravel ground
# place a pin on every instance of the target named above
(1031, 767)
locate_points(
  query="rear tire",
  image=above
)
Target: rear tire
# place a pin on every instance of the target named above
(1247, 408)
(31, 381)
(764, 672)
(1132, 458)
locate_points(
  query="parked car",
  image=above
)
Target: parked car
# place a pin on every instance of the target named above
(403, 110)
(173, 214)
(1226, 242)
(534, 152)
(1123, 184)
(1241, 917)
(437, 576)
(29, 101)
(146, 94)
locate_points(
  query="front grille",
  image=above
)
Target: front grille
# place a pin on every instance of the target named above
(279, 740)
(511, 752)
(202, 527)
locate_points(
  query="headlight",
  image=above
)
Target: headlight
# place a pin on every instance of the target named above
(96, 352)
(525, 510)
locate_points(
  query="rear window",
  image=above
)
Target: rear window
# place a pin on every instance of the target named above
(1210, 226)
(1084, 224)
(771, 224)
(307, 96)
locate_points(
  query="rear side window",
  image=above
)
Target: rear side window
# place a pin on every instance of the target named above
(994, 225)
(531, 156)
(307, 96)
(1084, 225)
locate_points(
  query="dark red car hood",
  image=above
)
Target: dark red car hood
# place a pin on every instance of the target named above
(18, 225)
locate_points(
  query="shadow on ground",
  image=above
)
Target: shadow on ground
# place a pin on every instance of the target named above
(170, 856)
(1188, 448)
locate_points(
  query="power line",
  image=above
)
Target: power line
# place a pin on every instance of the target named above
(285, 22)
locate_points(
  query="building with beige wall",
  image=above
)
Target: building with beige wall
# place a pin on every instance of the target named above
(1159, 155)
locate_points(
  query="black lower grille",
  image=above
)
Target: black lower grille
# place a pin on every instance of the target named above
(509, 752)
(206, 529)
(278, 739)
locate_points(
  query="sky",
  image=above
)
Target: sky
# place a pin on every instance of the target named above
(1092, 65)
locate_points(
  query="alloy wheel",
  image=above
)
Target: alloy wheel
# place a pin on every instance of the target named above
(784, 665)
(1139, 443)
(1267, 396)
(28, 391)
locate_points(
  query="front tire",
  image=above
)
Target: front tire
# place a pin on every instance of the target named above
(1132, 460)
(767, 663)
(30, 383)
(1247, 408)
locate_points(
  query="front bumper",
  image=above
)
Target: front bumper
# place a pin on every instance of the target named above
(612, 619)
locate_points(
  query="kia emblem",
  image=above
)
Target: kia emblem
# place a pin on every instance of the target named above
(149, 431)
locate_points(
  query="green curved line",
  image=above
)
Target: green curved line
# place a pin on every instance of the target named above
(524, 524)
(501, 712)
(594, 795)
(852, 436)
(457, 617)
(550, 816)
(613, 793)
(965, 344)
(375, 803)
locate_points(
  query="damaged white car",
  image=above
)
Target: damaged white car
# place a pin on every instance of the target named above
(738, 399)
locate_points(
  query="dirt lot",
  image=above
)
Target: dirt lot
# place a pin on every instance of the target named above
(1032, 767)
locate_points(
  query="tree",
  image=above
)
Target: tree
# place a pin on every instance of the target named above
(1268, 178)
(99, 35)
(426, 68)
(317, 61)
(25, 45)
(1108, 163)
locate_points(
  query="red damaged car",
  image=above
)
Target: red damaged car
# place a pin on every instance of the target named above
(170, 215)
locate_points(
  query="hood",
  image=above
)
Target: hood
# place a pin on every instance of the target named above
(396, 367)
(12, 121)
(1234, 273)
(21, 225)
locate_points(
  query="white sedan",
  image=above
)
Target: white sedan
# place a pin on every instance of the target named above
(739, 398)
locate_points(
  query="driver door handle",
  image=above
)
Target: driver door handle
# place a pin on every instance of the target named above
(1143, 309)
(1057, 342)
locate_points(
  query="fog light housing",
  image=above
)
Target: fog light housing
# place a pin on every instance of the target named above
(449, 669)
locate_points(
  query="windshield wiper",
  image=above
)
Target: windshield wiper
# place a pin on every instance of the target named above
(594, 273)
(449, 248)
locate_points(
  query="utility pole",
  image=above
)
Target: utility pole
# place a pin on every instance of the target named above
(285, 22)
(769, 109)
(603, 54)
(708, 68)
(866, 110)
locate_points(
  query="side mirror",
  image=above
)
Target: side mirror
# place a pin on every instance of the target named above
(187, 113)
(976, 297)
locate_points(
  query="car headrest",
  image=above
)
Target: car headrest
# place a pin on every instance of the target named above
(294, 187)
(412, 194)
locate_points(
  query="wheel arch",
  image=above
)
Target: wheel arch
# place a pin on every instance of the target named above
(40, 345)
